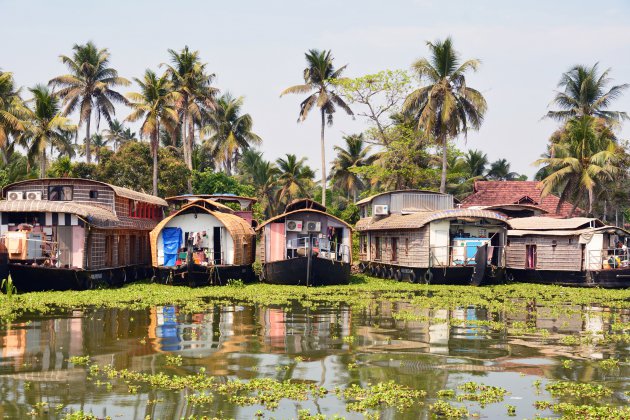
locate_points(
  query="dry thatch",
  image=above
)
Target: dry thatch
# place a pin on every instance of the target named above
(241, 232)
(417, 220)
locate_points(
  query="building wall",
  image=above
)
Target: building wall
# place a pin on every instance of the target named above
(566, 255)
(96, 256)
(80, 191)
(412, 249)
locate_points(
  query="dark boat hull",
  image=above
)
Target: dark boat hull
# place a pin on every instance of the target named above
(199, 275)
(613, 278)
(37, 278)
(458, 275)
(293, 272)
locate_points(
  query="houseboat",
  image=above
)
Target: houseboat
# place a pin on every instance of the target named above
(305, 246)
(242, 206)
(578, 251)
(65, 233)
(203, 243)
(419, 236)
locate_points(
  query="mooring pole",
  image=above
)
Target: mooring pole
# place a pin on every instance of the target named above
(309, 259)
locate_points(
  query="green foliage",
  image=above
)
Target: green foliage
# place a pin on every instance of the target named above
(8, 288)
(208, 182)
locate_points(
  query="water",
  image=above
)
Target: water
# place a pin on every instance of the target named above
(335, 346)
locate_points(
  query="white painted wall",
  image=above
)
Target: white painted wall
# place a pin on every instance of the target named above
(439, 237)
(594, 252)
(204, 221)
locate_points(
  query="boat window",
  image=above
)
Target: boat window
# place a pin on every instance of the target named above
(60, 193)
(394, 249)
(363, 243)
(531, 255)
(406, 246)
(377, 245)
(93, 194)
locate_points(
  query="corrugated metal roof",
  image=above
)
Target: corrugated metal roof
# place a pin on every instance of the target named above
(372, 197)
(417, 220)
(547, 223)
(568, 232)
(280, 216)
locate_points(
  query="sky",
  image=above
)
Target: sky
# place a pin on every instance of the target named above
(256, 49)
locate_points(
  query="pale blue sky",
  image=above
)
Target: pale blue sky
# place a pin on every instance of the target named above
(256, 49)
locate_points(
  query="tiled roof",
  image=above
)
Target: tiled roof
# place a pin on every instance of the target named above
(490, 193)
(419, 219)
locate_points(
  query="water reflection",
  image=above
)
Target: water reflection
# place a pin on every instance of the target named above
(337, 346)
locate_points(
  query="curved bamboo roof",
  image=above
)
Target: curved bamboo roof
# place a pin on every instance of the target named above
(119, 191)
(419, 219)
(283, 215)
(241, 232)
(304, 203)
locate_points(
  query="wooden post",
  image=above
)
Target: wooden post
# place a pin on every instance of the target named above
(309, 259)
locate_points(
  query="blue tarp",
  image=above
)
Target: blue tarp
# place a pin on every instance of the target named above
(172, 238)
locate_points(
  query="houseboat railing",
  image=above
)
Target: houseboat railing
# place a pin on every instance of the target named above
(458, 256)
(209, 257)
(602, 259)
(323, 247)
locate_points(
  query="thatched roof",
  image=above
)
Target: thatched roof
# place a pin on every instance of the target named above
(499, 207)
(419, 219)
(119, 191)
(283, 215)
(372, 197)
(547, 223)
(241, 232)
(91, 214)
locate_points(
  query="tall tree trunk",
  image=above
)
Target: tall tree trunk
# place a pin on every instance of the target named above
(154, 151)
(323, 148)
(88, 150)
(42, 164)
(191, 143)
(590, 203)
(444, 163)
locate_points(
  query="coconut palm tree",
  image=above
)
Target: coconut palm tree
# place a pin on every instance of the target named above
(196, 95)
(229, 132)
(355, 155)
(446, 107)
(475, 162)
(318, 77)
(156, 106)
(295, 178)
(118, 134)
(46, 127)
(99, 142)
(13, 112)
(585, 93)
(500, 171)
(89, 87)
(584, 157)
(262, 175)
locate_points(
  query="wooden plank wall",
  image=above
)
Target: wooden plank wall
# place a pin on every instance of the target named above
(565, 256)
(413, 247)
(80, 194)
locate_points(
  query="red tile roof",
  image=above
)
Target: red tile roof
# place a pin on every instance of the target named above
(491, 193)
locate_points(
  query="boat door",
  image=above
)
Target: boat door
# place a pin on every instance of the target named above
(217, 240)
(64, 238)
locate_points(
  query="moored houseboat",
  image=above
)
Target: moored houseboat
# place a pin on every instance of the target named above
(203, 243)
(305, 246)
(242, 206)
(66, 233)
(419, 236)
(577, 251)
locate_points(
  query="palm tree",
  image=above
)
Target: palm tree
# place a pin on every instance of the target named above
(99, 142)
(294, 179)
(13, 112)
(500, 171)
(196, 94)
(355, 155)
(47, 127)
(446, 107)
(118, 134)
(585, 94)
(475, 162)
(262, 175)
(318, 77)
(156, 105)
(89, 87)
(229, 132)
(584, 157)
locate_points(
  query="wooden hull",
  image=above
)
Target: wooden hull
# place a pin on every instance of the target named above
(458, 275)
(36, 278)
(613, 278)
(200, 275)
(293, 272)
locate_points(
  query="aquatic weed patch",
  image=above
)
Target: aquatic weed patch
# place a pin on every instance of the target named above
(385, 394)
(483, 394)
(578, 390)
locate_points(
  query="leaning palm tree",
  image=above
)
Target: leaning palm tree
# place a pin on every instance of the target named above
(89, 87)
(47, 127)
(295, 178)
(13, 112)
(582, 159)
(155, 104)
(229, 132)
(196, 95)
(585, 92)
(318, 75)
(446, 107)
(355, 155)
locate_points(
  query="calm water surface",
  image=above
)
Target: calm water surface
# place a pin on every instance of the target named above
(339, 347)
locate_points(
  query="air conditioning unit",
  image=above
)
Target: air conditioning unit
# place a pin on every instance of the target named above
(33, 195)
(15, 196)
(313, 227)
(293, 225)
(381, 210)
